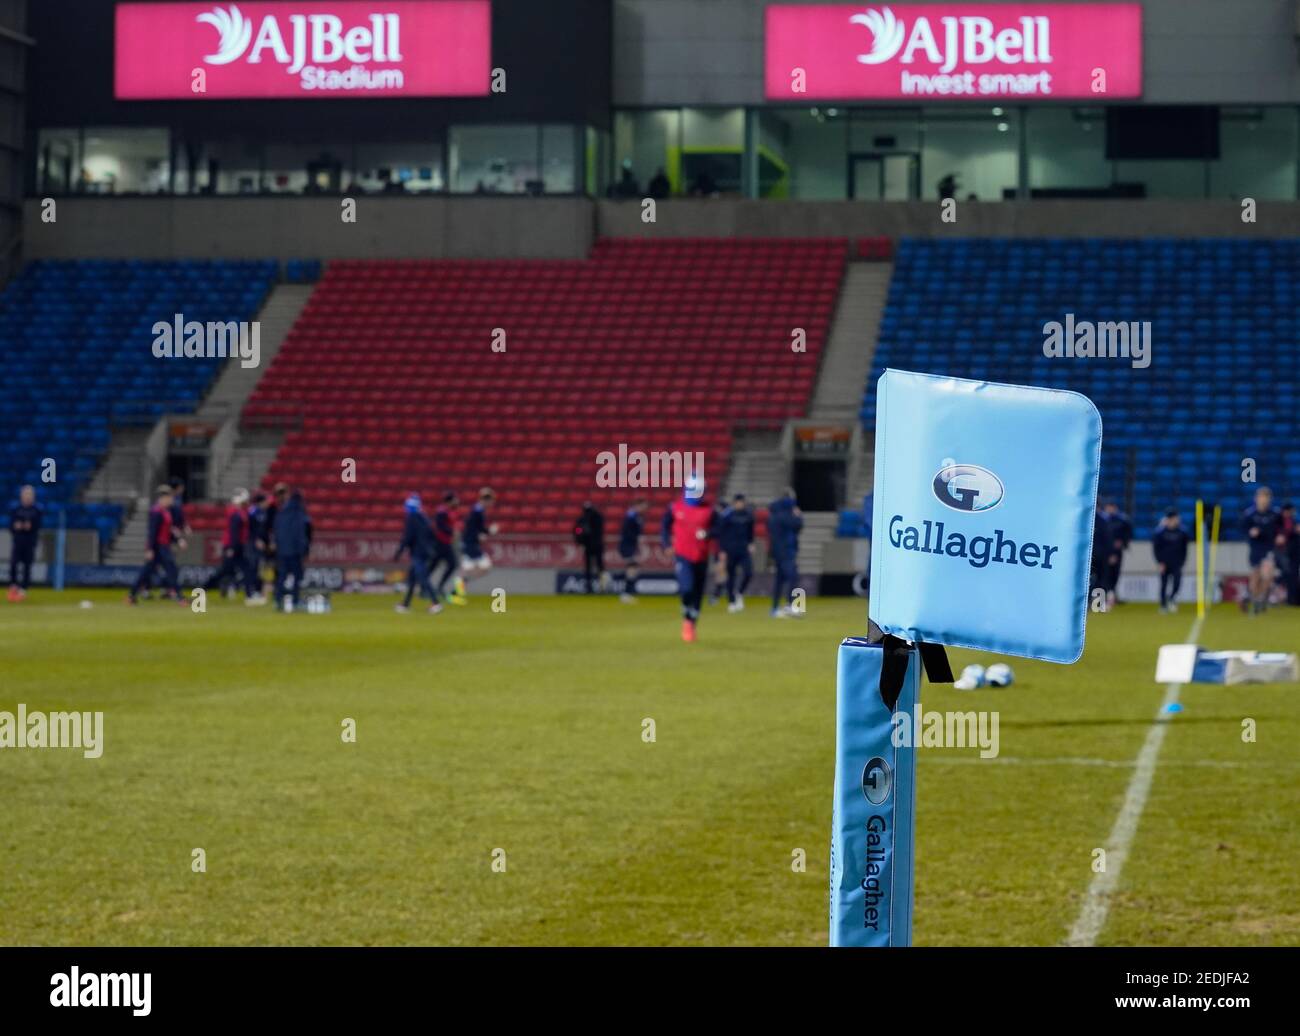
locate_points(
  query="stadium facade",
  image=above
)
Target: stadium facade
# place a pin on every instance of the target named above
(695, 89)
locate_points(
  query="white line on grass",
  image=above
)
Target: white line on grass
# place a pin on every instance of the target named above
(1116, 764)
(1096, 904)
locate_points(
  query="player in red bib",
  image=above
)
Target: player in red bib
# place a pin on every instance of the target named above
(687, 528)
(158, 549)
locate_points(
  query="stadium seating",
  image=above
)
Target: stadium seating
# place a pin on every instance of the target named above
(1224, 376)
(879, 249)
(75, 346)
(660, 345)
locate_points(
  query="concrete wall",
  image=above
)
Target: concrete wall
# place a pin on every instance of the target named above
(689, 52)
(296, 228)
(726, 218)
(309, 228)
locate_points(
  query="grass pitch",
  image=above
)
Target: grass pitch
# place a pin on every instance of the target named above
(523, 731)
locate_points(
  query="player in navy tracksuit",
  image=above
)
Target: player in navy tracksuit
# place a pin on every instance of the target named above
(24, 534)
(474, 559)
(158, 549)
(180, 527)
(444, 550)
(259, 535)
(1121, 535)
(292, 542)
(1101, 554)
(736, 541)
(1169, 545)
(417, 539)
(1289, 553)
(234, 548)
(1262, 524)
(629, 546)
(589, 534)
(784, 523)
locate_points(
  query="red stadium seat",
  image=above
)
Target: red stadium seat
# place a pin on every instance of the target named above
(662, 345)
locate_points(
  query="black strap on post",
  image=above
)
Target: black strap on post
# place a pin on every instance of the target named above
(893, 668)
(935, 660)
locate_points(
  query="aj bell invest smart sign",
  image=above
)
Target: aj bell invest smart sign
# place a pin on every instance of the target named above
(953, 52)
(384, 48)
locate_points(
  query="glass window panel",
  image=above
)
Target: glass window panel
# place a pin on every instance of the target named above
(977, 147)
(125, 161)
(1258, 154)
(644, 143)
(812, 145)
(58, 161)
(559, 151)
(493, 159)
(397, 169)
(1067, 150)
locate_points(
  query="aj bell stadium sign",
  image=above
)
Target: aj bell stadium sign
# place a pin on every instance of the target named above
(286, 49)
(953, 52)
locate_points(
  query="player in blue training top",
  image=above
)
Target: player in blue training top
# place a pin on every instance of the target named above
(417, 539)
(24, 534)
(1262, 524)
(629, 547)
(474, 560)
(736, 543)
(1169, 545)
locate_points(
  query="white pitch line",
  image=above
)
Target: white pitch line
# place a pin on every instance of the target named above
(1066, 760)
(1096, 904)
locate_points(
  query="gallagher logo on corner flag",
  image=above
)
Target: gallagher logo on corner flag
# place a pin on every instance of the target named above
(983, 514)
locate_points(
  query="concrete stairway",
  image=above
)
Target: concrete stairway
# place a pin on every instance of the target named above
(861, 474)
(128, 548)
(818, 530)
(255, 449)
(851, 344)
(121, 475)
(249, 460)
(236, 383)
(758, 468)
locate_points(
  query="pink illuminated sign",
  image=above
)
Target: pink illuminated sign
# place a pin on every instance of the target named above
(286, 49)
(953, 52)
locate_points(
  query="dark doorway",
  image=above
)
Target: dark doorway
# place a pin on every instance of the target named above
(820, 484)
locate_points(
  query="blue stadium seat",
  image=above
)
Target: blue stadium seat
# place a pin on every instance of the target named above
(1225, 372)
(76, 347)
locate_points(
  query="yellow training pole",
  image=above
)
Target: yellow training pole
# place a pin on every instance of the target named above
(1214, 549)
(1200, 568)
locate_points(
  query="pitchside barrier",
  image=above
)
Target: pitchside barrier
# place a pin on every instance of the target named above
(983, 514)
